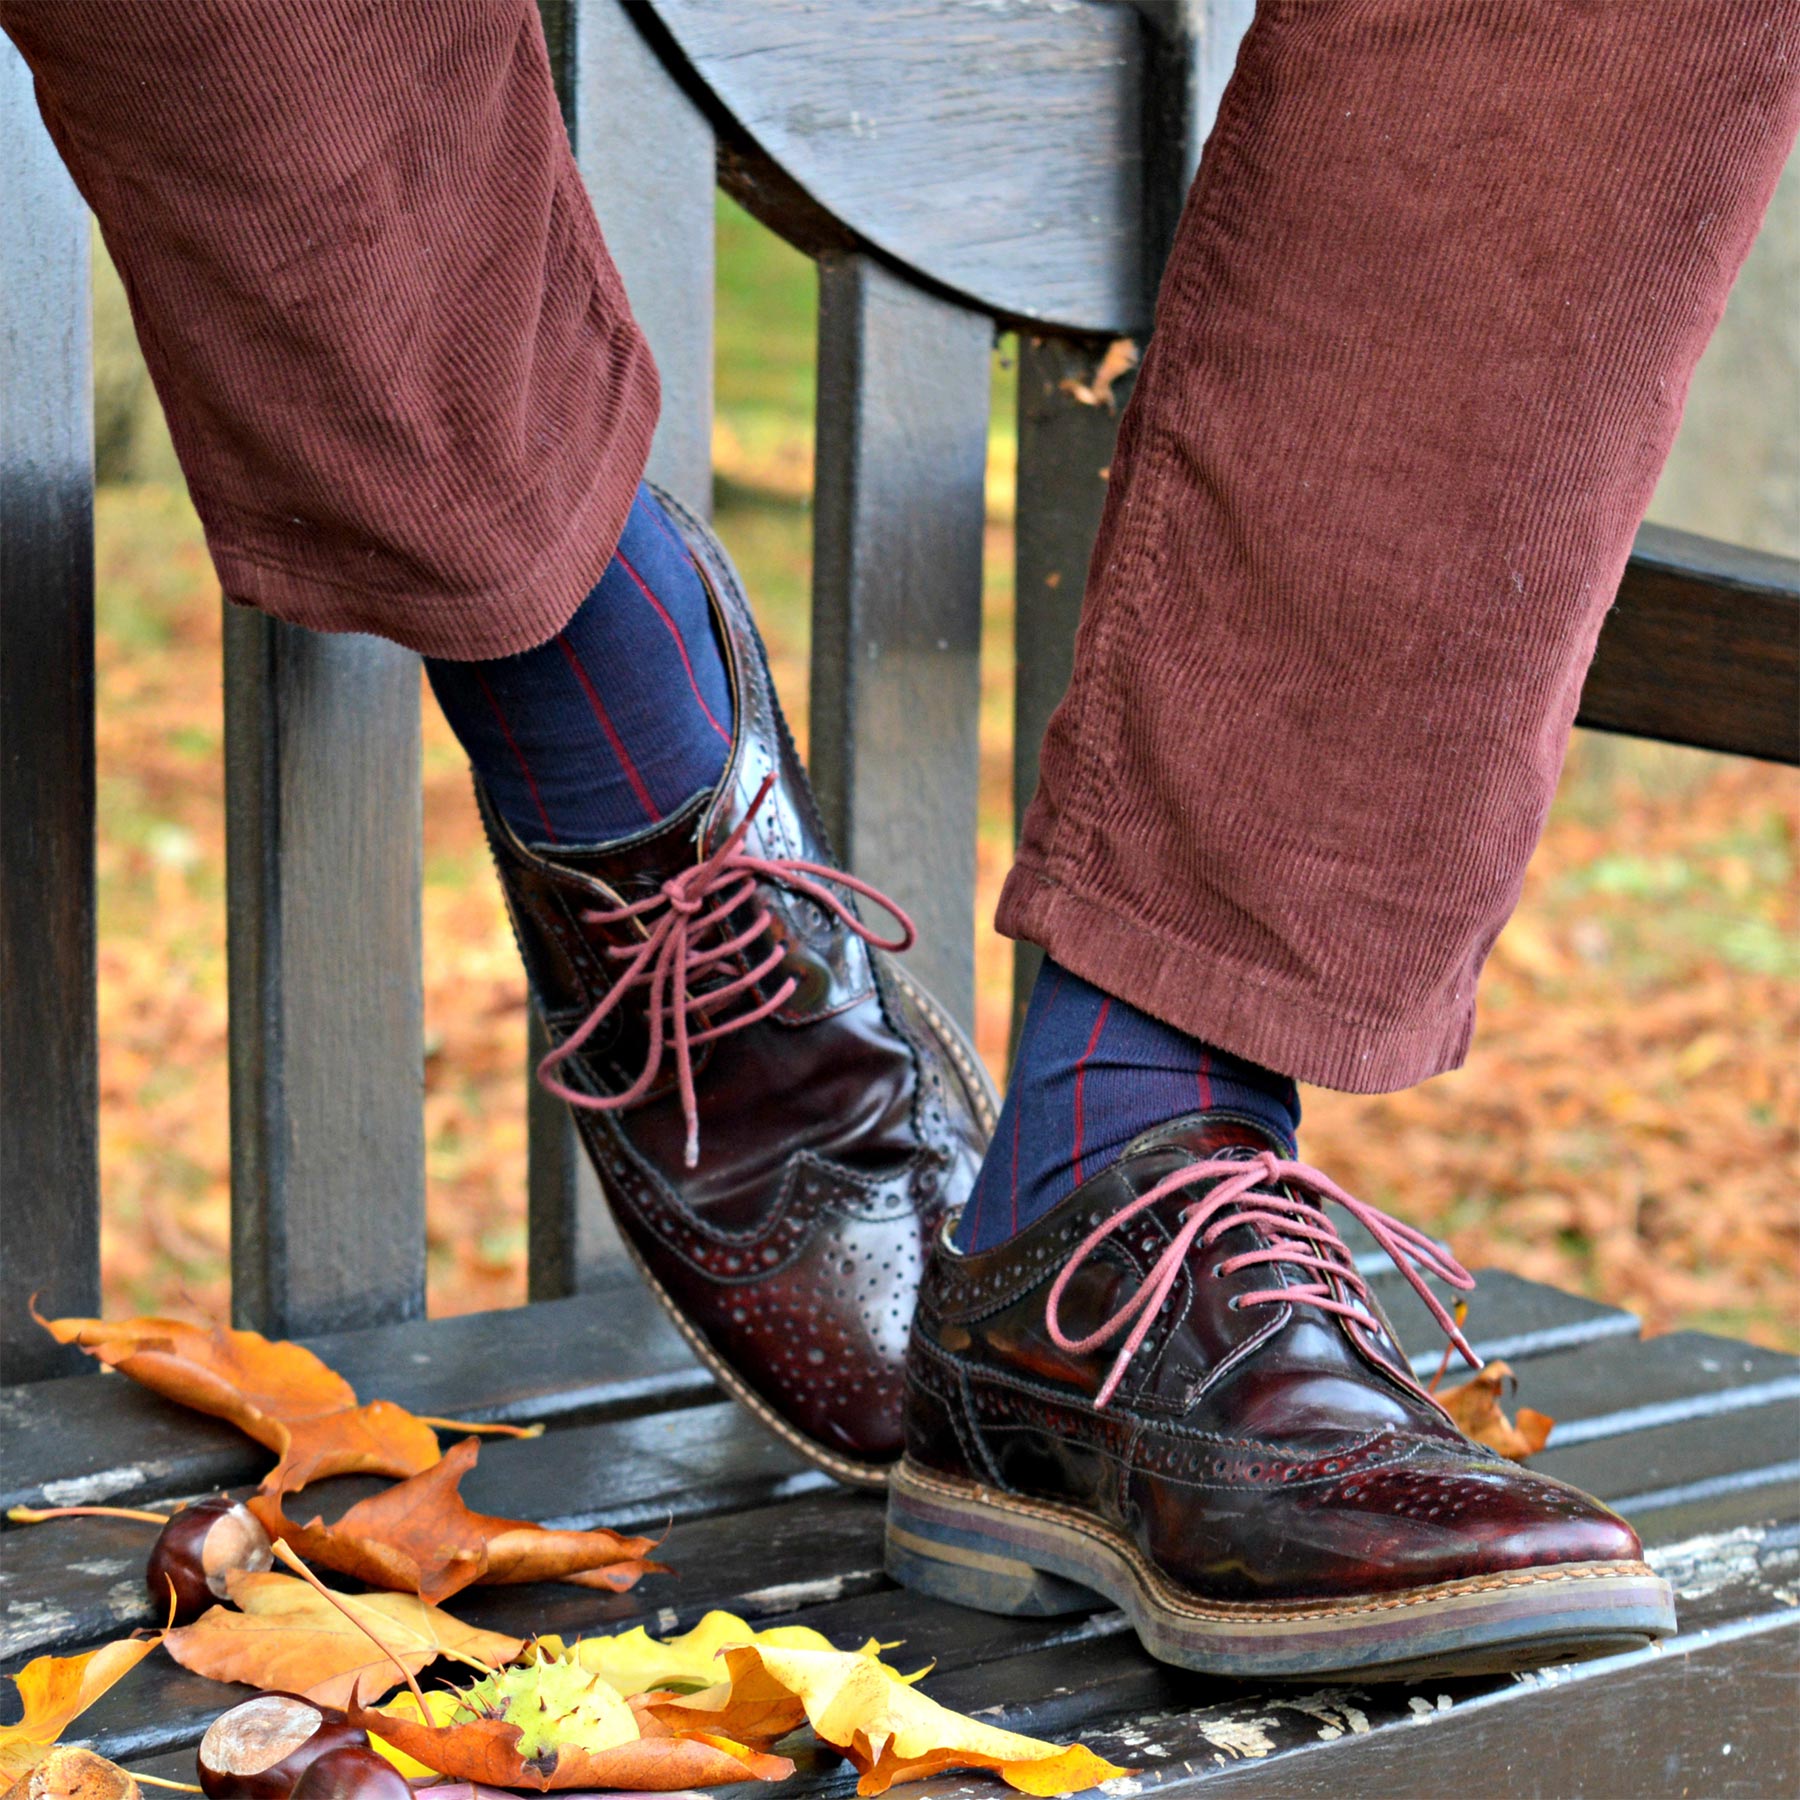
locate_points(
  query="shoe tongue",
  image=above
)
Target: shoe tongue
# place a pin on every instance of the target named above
(1211, 1134)
(643, 861)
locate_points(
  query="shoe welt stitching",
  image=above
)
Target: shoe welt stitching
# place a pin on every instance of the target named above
(1163, 1592)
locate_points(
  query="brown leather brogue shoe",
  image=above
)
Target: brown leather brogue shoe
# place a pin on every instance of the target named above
(778, 1116)
(1175, 1391)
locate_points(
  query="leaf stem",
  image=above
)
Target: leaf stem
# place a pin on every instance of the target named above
(286, 1555)
(181, 1787)
(37, 1515)
(491, 1430)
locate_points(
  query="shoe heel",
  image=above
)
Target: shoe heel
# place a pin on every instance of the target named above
(959, 1552)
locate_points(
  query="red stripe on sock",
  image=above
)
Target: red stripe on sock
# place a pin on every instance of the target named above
(1204, 1075)
(1017, 1110)
(612, 736)
(537, 799)
(644, 588)
(1081, 1079)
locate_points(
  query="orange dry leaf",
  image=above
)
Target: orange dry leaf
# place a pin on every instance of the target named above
(487, 1751)
(289, 1638)
(57, 1690)
(420, 1537)
(886, 1727)
(1120, 359)
(275, 1392)
(1475, 1406)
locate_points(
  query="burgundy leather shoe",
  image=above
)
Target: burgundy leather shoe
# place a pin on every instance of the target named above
(779, 1117)
(1252, 1473)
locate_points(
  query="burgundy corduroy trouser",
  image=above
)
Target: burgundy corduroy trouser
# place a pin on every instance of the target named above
(1419, 356)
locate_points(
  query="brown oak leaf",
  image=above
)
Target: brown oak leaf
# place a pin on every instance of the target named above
(276, 1392)
(418, 1536)
(288, 1637)
(56, 1690)
(1475, 1406)
(487, 1751)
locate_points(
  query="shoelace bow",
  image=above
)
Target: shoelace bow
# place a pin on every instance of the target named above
(1300, 1235)
(676, 921)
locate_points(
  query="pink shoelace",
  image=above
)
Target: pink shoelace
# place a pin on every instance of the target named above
(1300, 1235)
(674, 954)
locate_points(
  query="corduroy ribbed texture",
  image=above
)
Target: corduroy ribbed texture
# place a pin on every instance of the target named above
(397, 362)
(1419, 355)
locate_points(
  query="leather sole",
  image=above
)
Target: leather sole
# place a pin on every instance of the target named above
(962, 1542)
(972, 1072)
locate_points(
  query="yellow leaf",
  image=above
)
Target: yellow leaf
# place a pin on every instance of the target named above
(888, 1729)
(55, 1691)
(634, 1662)
(289, 1637)
(440, 1703)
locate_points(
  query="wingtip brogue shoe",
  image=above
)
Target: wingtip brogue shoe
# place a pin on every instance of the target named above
(779, 1117)
(1175, 1391)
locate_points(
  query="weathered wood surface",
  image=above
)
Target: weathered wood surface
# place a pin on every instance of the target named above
(647, 155)
(1703, 647)
(49, 1122)
(323, 874)
(606, 1354)
(896, 650)
(995, 148)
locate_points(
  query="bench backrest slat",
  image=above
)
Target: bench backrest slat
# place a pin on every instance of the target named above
(899, 492)
(647, 154)
(323, 875)
(49, 1157)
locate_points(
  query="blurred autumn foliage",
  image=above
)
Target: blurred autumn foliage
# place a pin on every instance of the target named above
(1627, 1124)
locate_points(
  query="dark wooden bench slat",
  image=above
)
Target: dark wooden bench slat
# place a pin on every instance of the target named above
(1065, 451)
(900, 508)
(49, 1158)
(647, 155)
(323, 875)
(1010, 140)
(1703, 647)
(610, 1353)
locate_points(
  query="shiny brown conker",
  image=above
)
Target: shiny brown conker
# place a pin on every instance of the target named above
(197, 1549)
(260, 1748)
(352, 1775)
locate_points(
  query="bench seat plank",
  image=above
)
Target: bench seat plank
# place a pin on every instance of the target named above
(1729, 1407)
(606, 1353)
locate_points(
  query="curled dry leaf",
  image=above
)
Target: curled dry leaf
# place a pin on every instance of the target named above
(55, 1691)
(278, 1393)
(1475, 1406)
(418, 1536)
(1120, 359)
(493, 1751)
(288, 1637)
(635, 1663)
(887, 1728)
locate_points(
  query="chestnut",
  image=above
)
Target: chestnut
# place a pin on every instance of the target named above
(66, 1772)
(352, 1775)
(197, 1549)
(260, 1748)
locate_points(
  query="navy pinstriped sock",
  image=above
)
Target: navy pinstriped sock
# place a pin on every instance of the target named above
(1091, 1073)
(617, 722)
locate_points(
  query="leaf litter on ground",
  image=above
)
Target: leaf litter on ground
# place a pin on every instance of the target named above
(55, 1691)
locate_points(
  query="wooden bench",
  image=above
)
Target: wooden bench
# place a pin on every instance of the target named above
(1013, 163)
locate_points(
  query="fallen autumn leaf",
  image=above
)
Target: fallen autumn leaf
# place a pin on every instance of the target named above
(289, 1638)
(419, 1537)
(55, 1691)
